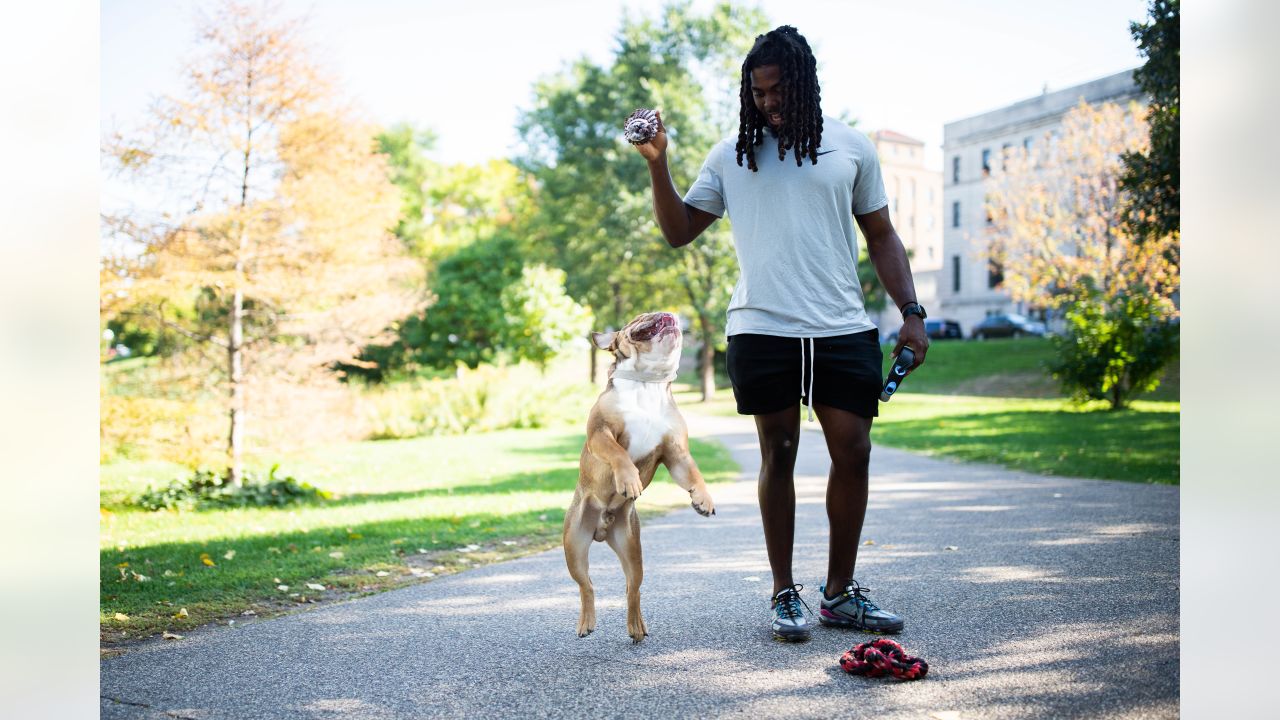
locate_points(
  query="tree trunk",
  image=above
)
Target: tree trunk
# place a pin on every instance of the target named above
(708, 358)
(235, 361)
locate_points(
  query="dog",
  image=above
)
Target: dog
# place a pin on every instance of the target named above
(633, 426)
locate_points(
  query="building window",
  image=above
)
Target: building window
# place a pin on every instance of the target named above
(955, 274)
(1004, 155)
(955, 214)
(995, 274)
(986, 162)
(955, 169)
(1026, 143)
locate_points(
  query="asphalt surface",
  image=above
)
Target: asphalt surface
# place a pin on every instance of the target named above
(1058, 599)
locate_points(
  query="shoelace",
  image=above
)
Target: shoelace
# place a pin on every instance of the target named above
(789, 602)
(856, 591)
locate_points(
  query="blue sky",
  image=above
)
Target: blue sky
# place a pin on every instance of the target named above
(465, 69)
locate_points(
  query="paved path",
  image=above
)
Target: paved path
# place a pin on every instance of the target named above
(1060, 600)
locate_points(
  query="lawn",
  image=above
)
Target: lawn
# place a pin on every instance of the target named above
(406, 511)
(993, 402)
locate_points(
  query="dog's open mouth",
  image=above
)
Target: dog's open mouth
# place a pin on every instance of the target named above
(660, 326)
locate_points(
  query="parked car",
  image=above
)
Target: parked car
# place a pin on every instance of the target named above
(1011, 325)
(939, 329)
(942, 329)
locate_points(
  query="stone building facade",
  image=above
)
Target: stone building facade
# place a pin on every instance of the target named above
(915, 207)
(969, 287)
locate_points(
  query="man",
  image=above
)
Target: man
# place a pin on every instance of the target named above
(793, 182)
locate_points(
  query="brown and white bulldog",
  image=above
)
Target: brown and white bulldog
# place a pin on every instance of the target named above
(633, 426)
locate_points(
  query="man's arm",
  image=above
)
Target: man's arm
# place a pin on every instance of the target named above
(889, 258)
(680, 222)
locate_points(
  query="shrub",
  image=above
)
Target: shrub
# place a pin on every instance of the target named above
(1114, 350)
(487, 398)
(207, 489)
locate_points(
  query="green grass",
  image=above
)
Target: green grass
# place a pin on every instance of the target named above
(993, 402)
(1052, 436)
(1014, 367)
(404, 507)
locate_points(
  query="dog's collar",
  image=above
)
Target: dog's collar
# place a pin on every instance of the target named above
(642, 377)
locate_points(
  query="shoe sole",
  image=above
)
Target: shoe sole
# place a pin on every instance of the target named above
(792, 637)
(851, 625)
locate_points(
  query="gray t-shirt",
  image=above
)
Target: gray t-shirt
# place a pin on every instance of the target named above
(793, 229)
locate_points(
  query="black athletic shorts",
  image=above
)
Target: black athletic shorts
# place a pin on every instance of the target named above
(845, 371)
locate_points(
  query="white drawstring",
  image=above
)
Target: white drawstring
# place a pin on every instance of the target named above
(812, 372)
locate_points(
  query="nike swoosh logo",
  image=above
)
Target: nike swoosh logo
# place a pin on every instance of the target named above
(824, 152)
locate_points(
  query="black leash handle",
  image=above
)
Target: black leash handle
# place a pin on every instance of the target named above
(897, 373)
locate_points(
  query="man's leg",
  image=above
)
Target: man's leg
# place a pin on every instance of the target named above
(849, 444)
(844, 603)
(779, 435)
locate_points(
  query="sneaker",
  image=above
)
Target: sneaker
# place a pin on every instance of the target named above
(852, 609)
(790, 619)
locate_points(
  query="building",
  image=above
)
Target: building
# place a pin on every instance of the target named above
(970, 286)
(915, 207)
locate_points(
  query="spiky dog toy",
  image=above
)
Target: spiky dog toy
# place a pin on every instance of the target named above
(640, 127)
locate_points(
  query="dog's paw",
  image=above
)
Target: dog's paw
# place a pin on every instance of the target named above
(637, 630)
(702, 503)
(629, 487)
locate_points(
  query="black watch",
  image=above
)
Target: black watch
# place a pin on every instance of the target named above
(914, 308)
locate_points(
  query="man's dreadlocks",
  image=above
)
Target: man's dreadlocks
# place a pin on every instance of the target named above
(801, 114)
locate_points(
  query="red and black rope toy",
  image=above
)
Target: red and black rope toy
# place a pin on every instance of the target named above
(883, 657)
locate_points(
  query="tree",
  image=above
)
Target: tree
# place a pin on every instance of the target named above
(489, 306)
(1058, 231)
(279, 235)
(1151, 176)
(406, 148)
(595, 209)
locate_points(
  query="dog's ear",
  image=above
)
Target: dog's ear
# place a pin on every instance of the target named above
(604, 341)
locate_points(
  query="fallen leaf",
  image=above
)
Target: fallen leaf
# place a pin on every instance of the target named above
(277, 580)
(336, 554)
(248, 612)
(510, 542)
(382, 573)
(170, 636)
(951, 547)
(122, 617)
(182, 613)
(315, 586)
(282, 588)
(869, 541)
(229, 555)
(354, 536)
(123, 564)
(204, 558)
